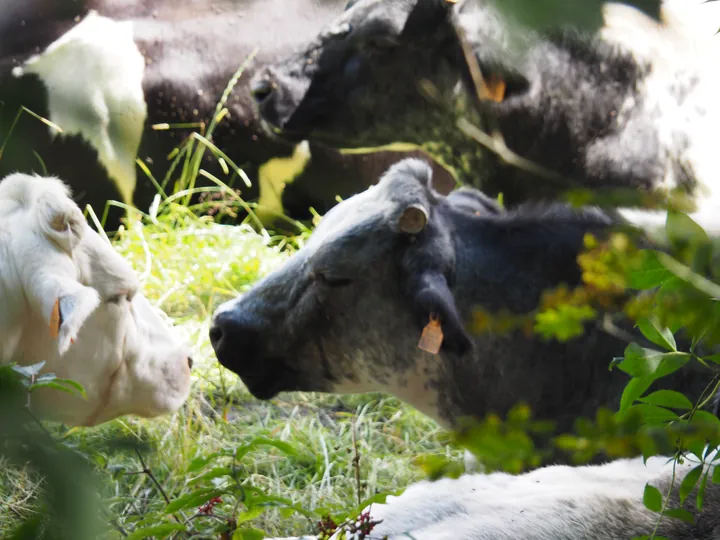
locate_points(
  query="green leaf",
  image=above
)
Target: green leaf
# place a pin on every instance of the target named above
(159, 531)
(700, 499)
(662, 337)
(264, 441)
(641, 362)
(689, 482)
(248, 534)
(681, 514)
(716, 474)
(193, 499)
(652, 498)
(652, 414)
(199, 462)
(633, 390)
(668, 398)
(213, 473)
(250, 515)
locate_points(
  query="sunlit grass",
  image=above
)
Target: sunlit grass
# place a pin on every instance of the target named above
(187, 266)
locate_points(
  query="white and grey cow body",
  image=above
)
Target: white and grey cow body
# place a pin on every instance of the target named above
(632, 106)
(106, 72)
(346, 312)
(598, 502)
(69, 300)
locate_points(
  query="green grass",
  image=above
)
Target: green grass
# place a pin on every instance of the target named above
(187, 266)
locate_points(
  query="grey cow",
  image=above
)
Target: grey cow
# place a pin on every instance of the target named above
(345, 313)
(633, 106)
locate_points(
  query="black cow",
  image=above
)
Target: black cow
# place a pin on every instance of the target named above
(345, 313)
(109, 76)
(633, 106)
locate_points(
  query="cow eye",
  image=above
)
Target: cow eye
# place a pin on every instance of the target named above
(118, 298)
(382, 42)
(330, 281)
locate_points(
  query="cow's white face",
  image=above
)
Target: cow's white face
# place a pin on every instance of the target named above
(67, 298)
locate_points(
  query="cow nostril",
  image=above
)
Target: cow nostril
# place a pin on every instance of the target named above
(216, 335)
(261, 89)
(190, 362)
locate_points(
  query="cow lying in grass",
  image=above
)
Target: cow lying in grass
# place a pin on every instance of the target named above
(107, 76)
(599, 502)
(632, 107)
(345, 313)
(68, 299)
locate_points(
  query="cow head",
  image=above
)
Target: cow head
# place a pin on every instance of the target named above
(345, 314)
(70, 300)
(348, 81)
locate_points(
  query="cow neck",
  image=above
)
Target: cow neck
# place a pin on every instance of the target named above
(104, 396)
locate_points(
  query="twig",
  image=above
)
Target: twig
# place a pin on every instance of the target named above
(14, 511)
(119, 527)
(154, 480)
(356, 461)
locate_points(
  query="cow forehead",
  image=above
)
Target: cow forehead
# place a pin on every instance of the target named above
(101, 267)
(400, 186)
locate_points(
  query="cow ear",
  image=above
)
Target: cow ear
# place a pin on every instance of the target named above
(434, 301)
(426, 15)
(69, 313)
(62, 303)
(61, 221)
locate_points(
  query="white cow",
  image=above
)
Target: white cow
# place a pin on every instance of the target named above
(596, 502)
(67, 298)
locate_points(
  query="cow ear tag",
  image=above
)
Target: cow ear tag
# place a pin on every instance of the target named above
(432, 336)
(62, 304)
(55, 320)
(493, 88)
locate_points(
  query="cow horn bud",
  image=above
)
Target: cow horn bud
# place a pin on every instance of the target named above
(413, 219)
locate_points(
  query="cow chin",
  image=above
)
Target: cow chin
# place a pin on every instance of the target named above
(272, 377)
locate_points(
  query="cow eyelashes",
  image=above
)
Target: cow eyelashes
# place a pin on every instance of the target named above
(330, 281)
(120, 297)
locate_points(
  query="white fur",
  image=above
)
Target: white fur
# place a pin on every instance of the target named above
(683, 46)
(93, 77)
(597, 502)
(123, 353)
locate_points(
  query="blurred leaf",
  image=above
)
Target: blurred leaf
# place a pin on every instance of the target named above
(64, 385)
(668, 398)
(652, 498)
(649, 272)
(29, 371)
(248, 534)
(161, 531)
(682, 230)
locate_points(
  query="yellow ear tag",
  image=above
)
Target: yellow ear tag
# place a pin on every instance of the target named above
(55, 320)
(432, 336)
(494, 88)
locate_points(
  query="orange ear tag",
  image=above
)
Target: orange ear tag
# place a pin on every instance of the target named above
(432, 336)
(55, 320)
(494, 88)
